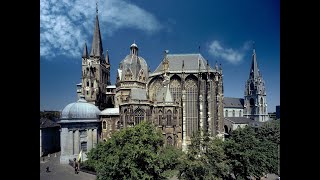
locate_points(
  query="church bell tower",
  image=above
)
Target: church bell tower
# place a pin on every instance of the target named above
(255, 99)
(95, 70)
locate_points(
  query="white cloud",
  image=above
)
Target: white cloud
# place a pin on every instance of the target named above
(66, 24)
(233, 56)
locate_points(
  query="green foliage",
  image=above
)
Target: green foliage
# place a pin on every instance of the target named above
(205, 159)
(134, 153)
(52, 115)
(253, 153)
(270, 131)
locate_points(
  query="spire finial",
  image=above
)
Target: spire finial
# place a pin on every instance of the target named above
(254, 47)
(97, 7)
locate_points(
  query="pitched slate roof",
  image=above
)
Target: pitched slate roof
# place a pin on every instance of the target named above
(229, 102)
(47, 123)
(164, 95)
(138, 94)
(239, 120)
(191, 63)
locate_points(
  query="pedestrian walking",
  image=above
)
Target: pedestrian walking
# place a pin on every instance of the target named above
(47, 169)
(76, 168)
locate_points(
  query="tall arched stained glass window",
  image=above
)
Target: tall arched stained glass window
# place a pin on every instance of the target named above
(191, 105)
(138, 116)
(175, 89)
(169, 118)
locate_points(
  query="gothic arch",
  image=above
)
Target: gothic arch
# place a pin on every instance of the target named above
(154, 87)
(138, 115)
(252, 102)
(142, 76)
(169, 141)
(128, 74)
(226, 129)
(169, 118)
(191, 88)
(160, 114)
(104, 125)
(175, 87)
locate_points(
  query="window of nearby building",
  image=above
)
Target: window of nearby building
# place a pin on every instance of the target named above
(169, 118)
(240, 113)
(84, 146)
(234, 113)
(104, 125)
(226, 113)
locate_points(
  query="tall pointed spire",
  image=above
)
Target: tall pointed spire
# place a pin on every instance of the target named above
(254, 71)
(107, 57)
(85, 51)
(96, 47)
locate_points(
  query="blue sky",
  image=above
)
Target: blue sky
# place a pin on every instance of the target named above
(224, 31)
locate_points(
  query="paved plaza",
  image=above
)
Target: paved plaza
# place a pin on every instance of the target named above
(59, 171)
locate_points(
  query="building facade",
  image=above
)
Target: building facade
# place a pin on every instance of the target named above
(183, 95)
(255, 99)
(80, 129)
(49, 137)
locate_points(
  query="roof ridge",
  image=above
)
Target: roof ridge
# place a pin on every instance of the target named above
(184, 54)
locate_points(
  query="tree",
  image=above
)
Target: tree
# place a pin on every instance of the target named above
(134, 153)
(250, 153)
(52, 115)
(205, 159)
(270, 134)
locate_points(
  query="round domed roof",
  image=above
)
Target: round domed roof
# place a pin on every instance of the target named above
(80, 110)
(134, 45)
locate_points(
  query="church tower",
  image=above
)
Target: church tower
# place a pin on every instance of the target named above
(95, 70)
(255, 99)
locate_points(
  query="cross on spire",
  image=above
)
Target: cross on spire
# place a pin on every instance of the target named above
(97, 6)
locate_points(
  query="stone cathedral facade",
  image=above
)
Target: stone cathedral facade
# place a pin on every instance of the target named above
(183, 95)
